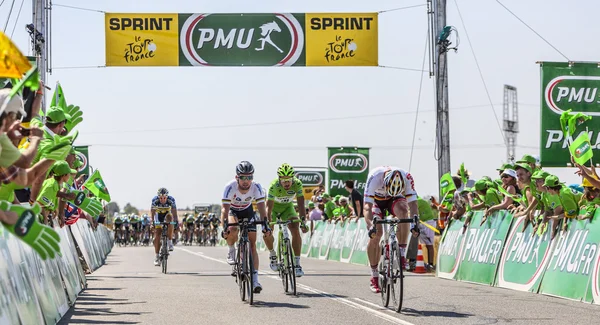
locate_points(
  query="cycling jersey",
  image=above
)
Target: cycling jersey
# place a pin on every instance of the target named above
(282, 197)
(145, 221)
(189, 220)
(375, 189)
(240, 201)
(162, 209)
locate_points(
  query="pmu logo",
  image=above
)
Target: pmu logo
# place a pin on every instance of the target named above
(348, 163)
(84, 162)
(310, 178)
(579, 93)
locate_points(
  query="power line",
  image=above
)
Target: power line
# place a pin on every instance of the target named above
(78, 8)
(480, 73)
(80, 67)
(418, 100)
(284, 148)
(402, 68)
(401, 8)
(203, 127)
(9, 14)
(533, 30)
(17, 20)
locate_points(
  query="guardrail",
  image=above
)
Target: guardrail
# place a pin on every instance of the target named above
(36, 291)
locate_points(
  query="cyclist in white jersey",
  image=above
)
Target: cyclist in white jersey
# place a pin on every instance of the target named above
(389, 189)
(237, 204)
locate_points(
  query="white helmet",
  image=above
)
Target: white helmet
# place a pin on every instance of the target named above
(394, 183)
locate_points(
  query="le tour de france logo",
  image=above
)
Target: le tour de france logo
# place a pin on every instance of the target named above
(257, 39)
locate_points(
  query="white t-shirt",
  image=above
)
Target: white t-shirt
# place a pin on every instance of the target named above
(375, 189)
(239, 201)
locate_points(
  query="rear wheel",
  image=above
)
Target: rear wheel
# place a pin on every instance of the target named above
(281, 260)
(240, 269)
(164, 254)
(250, 274)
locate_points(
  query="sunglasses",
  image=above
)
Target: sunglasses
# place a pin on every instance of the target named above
(245, 178)
(285, 179)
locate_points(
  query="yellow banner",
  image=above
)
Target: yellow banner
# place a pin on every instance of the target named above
(308, 192)
(13, 64)
(142, 39)
(348, 39)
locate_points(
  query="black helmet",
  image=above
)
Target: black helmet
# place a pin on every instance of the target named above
(162, 191)
(245, 167)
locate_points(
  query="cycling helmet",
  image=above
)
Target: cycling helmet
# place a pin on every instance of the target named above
(163, 191)
(244, 167)
(285, 170)
(394, 184)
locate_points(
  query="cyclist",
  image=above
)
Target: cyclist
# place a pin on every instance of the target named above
(136, 227)
(145, 228)
(119, 227)
(389, 189)
(163, 207)
(205, 221)
(214, 221)
(280, 203)
(126, 225)
(236, 205)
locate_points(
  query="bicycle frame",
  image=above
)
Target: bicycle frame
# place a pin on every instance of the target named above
(244, 261)
(285, 255)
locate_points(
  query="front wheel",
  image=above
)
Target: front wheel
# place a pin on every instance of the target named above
(384, 277)
(291, 268)
(250, 274)
(397, 281)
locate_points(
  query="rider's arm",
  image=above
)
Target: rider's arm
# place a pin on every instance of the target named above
(301, 208)
(259, 196)
(174, 213)
(224, 213)
(368, 212)
(270, 204)
(261, 210)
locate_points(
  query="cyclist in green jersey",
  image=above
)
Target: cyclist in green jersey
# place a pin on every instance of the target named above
(280, 203)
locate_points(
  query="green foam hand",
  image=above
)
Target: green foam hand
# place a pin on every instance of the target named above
(87, 204)
(56, 149)
(43, 239)
(76, 117)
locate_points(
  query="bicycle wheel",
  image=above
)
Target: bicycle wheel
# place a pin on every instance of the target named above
(165, 254)
(250, 275)
(384, 277)
(240, 269)
(397, 277)
(291, 269)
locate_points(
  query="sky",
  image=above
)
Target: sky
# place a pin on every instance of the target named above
(124, 108)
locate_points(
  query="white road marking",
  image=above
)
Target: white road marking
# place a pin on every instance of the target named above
(340, 300)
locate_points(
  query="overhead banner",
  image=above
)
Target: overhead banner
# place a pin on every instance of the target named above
(347, 164)
(567, 86)
(266, 39)
(311, 179)
(83, 157)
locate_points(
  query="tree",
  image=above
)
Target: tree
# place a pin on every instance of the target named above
(130, 209)
(111, 208)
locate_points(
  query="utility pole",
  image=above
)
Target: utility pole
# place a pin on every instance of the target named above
(38, 34)
(511, 121)
(440, 60)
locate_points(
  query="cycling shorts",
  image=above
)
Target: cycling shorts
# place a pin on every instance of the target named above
(382, 206)
(284, 212)
(247, 214)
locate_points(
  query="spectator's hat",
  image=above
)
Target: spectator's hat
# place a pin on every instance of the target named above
(540, 174)
(551, 181)
(15, 105)
(56, 115)
(587, 183)
(311, 204)
(481, 185)
(325, 196)
(524, 166)
(61, 168)
(343, 198)
(528, 159)
(511, 172)
(504, 167)
(337, 198)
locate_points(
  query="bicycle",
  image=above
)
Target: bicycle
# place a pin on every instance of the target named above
(244, 263)
(390, 269)
(285, 256)
(163, 254)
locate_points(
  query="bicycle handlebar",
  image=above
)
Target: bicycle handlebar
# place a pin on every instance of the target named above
(246, 223)
(280, 222)
(415, 219)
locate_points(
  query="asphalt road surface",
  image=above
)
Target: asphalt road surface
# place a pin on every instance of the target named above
(199, 289)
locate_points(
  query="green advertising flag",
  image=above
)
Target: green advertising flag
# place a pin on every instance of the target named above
(96, 185)
(82, 155)
(566, 86)
(347, 164)
(58, 99)
(446, 184)
(581, 149)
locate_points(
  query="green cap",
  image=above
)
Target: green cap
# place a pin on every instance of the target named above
(55, 115)
(311, 204)
(551, 181)
(337, 197)
(528, 159)
(540, 174)
(481, 185)
(523, 166)
(77, 163)
(487, 178)
(325, 195)
(61, 168)
(504, 167)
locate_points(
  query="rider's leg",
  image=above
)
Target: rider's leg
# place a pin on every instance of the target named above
(231, 238)
(374, 251)
(400, 208)
(252, 240)
(169, 219)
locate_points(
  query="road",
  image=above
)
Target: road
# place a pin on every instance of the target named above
(129, 289)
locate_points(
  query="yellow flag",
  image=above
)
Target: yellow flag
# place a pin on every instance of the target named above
(13, 64)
